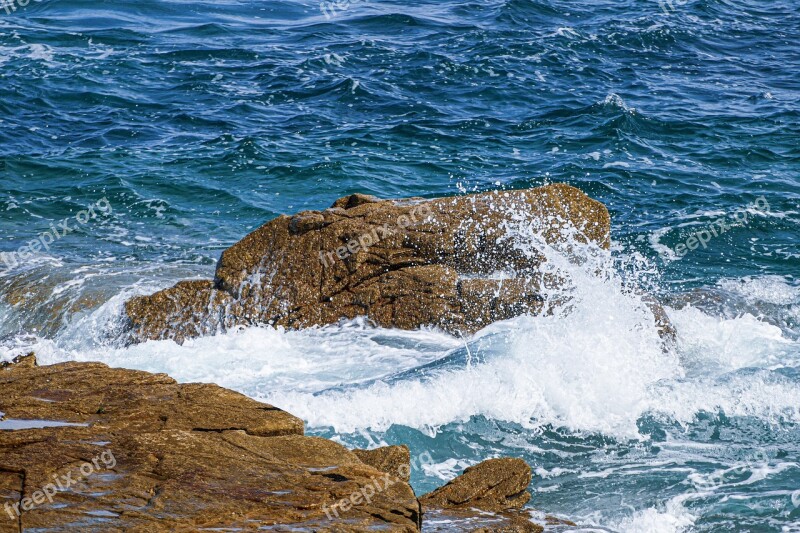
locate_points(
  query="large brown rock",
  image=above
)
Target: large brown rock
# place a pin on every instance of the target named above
(402, 263)
(147, 454)
(120, 450)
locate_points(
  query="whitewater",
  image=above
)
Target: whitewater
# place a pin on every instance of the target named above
(590, 394)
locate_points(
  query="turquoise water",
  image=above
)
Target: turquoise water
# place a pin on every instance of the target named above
(191, 124)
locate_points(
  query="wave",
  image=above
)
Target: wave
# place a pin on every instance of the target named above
(594, 365)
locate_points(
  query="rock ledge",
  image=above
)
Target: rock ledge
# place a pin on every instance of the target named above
(133, 451)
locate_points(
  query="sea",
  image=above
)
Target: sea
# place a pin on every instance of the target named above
(138, 140)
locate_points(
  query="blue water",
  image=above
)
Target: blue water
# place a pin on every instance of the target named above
(197, 122)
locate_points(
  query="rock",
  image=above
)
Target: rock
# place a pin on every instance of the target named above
(191, 309)
(476, 521)
(487, 497)
(666, 329)
(511, 524)
(555, 521)
(21, 361)
(495, 485)
(402, 263)
(394, 460)
(145, 453)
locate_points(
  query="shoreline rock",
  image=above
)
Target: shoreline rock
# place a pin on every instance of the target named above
(185, 456)
(394, 460)
(495, 485)
(113, 449)
(401, 263)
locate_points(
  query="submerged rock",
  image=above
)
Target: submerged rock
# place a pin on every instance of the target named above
(21, 361)
(402, 263)
(477, 521)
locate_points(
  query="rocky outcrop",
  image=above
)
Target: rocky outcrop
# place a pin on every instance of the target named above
(144, 453)
(487, 498)
(402, 263)
(92, 448)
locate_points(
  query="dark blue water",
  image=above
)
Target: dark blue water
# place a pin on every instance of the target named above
(197, 122)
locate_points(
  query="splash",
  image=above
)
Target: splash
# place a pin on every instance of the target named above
(593, 363)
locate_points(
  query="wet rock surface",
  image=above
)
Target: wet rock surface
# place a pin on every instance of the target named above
(140, 452)
(394, 460)
(21, 361)
(153, 455)
(402, 263)
(476, 521)
(495, 485)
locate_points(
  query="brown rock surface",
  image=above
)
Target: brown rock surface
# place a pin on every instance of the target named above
(495, 485)
(475, 521)
(21, 361)
(487, 497)
(394, 460)
(402, 263)
(147, 454)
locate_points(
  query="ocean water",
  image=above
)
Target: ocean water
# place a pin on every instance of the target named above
(185, 125)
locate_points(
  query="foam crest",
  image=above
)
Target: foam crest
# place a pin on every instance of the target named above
(739, 342)
(596, 369)
(672, 518)
(769, 289)
(584, 366)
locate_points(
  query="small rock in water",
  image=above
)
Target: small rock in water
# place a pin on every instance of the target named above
(494, 485)
(21, 361)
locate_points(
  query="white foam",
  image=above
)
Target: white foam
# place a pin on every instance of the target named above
(770, 289)
(762, 395)
(735, 343)
(672, 518)
(448, 469)
(256, 360)
(41, 51)
(598, 368)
